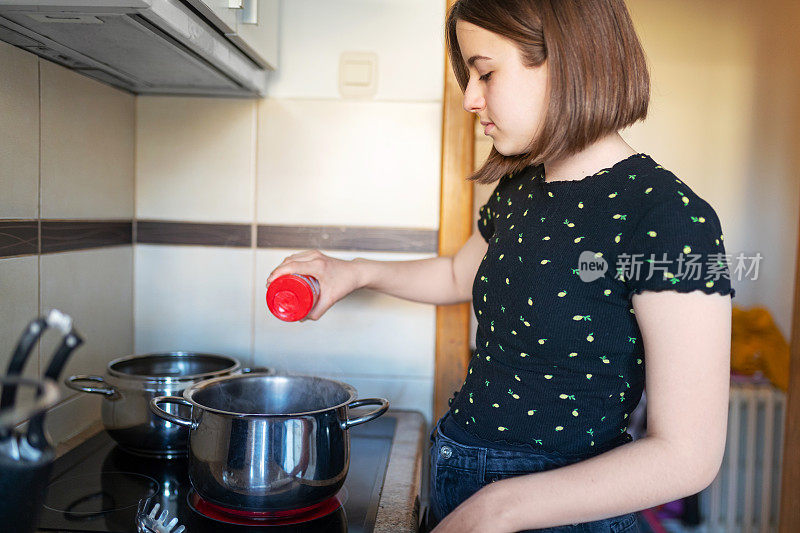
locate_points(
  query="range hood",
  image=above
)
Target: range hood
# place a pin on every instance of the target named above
(141, 46)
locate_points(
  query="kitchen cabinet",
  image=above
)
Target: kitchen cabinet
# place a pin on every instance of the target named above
(252, 25)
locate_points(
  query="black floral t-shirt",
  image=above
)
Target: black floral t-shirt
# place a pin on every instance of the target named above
(559, 363)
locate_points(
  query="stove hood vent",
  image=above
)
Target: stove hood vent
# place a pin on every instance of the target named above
(141, 46)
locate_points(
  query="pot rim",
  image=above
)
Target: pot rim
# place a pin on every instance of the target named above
(235, 365)
(189, 391)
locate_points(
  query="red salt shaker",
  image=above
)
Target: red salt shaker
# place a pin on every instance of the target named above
(290, 297)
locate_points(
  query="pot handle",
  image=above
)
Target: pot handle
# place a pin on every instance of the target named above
(384, 405)
(159, 412)
(108, 390)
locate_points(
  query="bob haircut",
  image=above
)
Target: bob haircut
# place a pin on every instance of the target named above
(598, 77)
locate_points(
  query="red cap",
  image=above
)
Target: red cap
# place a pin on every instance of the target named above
(289, 298)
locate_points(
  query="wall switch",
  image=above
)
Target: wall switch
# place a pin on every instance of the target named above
(358, 74)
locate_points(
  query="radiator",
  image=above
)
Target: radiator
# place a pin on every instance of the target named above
(745, 495)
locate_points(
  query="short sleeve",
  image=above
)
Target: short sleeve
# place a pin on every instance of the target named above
(676, 245)
(486, 221)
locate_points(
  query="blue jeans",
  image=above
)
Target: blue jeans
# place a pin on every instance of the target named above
(458, 471)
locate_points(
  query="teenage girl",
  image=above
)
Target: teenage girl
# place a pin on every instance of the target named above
(592, 269)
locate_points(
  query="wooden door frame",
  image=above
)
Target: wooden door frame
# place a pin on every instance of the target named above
(790, 469)
(455, 227)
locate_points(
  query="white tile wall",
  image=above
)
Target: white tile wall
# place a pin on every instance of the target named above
(72, 416)
(194, 298)
(19, 304)
(19, 133)
(87, 147)
(402, 393)
(94, 287)
(366, 333)
(195, 159)
(349, 163)
(407, 36)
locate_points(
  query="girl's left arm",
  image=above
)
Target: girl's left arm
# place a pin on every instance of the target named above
(687, 339)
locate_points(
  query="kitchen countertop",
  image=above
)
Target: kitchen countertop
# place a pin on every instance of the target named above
(399, 507)
(398, 511)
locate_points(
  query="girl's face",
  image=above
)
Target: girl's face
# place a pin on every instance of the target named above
(509, 98)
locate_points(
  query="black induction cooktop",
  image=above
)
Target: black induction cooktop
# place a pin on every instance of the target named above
(98, 486)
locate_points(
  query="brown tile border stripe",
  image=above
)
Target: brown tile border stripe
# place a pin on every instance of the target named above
(19, 237)
(204, 234)
(68, 235)
(349, 238)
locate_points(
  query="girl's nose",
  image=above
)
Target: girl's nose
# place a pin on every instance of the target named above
(473, 98)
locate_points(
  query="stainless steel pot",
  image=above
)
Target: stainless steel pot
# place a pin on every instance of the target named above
(264, 443)
(131, 382)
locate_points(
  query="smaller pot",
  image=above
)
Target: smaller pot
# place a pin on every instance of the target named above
(131, 382)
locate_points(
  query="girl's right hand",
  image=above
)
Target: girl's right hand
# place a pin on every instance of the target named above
(337, 278)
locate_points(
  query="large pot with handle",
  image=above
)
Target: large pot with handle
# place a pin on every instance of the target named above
(268, 442)
(131, 382)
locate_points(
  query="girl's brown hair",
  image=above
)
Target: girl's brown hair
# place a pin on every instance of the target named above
(598, 77)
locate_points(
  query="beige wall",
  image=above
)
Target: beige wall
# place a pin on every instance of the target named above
(723, 117)
(66, 152)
